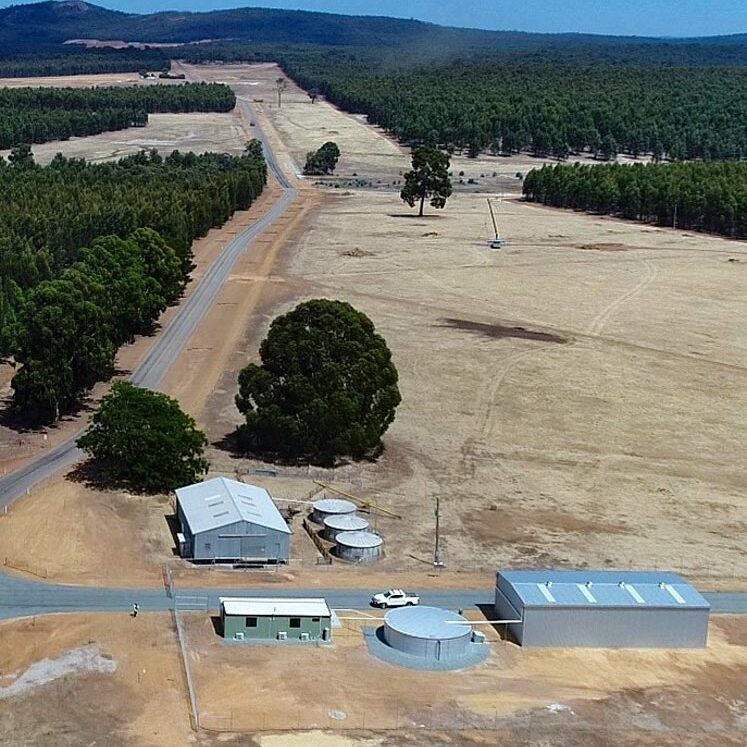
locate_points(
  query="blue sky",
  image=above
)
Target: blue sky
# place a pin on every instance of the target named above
(626, 17)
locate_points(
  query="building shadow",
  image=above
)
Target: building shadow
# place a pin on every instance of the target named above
(217, 624)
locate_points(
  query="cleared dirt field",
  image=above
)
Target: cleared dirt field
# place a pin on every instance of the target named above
(143, 702)
(553, 694)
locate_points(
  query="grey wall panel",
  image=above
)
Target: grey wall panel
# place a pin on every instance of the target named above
(615, 627)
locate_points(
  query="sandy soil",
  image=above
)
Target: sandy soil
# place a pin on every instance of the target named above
(78, 81)
(142, 703)
(538, 691)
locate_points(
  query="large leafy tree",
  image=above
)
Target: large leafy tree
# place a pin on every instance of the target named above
(143, 439)
(429, 179)
(326, 388)
(322, 161)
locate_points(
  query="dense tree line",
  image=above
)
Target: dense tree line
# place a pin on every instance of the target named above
(77, 61)
(707, 196)
(548, 108)
(37, 115)
(90, 254)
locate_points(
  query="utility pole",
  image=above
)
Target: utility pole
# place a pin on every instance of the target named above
(437, 561)
(674, 219)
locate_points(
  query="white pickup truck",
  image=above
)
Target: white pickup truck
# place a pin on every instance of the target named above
(394, 598)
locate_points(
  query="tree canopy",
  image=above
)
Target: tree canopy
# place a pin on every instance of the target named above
(143, 440)
(322, 161)
(326, 387)
(37, 115)
(90, 254)
(710, 196)
(428, 179)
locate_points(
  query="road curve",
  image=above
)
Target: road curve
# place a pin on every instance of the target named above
(172, 338)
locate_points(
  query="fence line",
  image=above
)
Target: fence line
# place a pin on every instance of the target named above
(180, 636)
(20, 565)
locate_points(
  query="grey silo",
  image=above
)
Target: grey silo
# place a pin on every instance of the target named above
(359, 547)
(334, 525)
(601, 609)
(326, 507)
(428, 632)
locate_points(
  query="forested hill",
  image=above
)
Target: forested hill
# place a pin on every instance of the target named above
(46, 23)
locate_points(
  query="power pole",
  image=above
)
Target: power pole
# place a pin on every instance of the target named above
(437, 561)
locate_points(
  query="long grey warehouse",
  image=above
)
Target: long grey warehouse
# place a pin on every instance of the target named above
(602, 609)
(227, 520)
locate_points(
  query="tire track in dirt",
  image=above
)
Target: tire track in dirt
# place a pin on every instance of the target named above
(598, 322)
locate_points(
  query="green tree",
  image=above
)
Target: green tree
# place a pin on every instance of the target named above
(322, 161)
(429, 178)
(326, 387)
(143, 439)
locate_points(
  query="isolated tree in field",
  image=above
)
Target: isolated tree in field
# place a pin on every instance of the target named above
(323, 161)
(326, 387)
(143, 439)
(429, 179)
(280, 85)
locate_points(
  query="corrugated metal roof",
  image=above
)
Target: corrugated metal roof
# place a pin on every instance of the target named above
(427, 622)
(220, 502)
(603, 588)
(359, 539)
(268, 606)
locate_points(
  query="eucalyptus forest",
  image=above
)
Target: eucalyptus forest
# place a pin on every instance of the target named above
(38, 115)
(90, 254)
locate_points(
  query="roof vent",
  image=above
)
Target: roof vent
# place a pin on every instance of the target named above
(622, 584)
(548, 584)
(589, 584)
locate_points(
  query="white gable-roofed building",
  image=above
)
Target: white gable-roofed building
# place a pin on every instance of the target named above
(226, 520)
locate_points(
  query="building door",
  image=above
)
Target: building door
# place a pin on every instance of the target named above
(253, 547)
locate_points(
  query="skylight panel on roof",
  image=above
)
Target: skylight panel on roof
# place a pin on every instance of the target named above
(545, 591)
(674, 593)
(634, 593)
(222, 513)
(584, 589)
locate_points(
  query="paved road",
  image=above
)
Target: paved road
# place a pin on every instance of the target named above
(172, 339)
(20, 597)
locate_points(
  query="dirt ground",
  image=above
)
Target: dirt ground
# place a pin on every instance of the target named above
(142, 703)
(529, 691)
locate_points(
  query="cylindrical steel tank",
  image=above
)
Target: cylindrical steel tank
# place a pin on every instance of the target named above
(358, 547)
(429, 632)
(331, 507)
(334, 525)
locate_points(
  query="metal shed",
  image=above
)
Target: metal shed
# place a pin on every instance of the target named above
(326, 507)
(358, 547)
(227, 520)
(430, 632)
(602, 609)
(334, 525)
(273, 619)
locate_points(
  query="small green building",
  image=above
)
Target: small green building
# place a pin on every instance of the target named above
(274, 619)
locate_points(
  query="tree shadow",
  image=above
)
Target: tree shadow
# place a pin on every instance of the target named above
(94, 475)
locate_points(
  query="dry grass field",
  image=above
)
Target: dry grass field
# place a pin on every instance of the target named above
(576, 399)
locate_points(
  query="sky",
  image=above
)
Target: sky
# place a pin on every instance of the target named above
(618, 17)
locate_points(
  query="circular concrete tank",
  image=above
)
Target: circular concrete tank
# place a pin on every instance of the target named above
(428, 632)
(331, 507)
(334, 525)
(359, 547)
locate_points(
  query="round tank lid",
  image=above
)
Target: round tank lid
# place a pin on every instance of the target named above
(346, 523)
(427, 622)
(334, 506)
(359, 539)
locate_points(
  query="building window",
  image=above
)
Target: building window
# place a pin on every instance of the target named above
(208, 547)
(251, 622)
(295, 622)
(315, 619)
